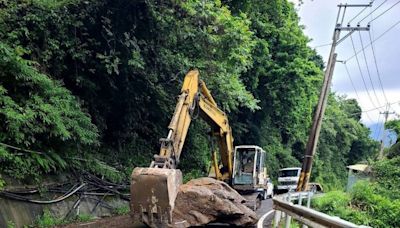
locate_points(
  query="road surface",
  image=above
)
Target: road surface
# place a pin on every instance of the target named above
(266, 206)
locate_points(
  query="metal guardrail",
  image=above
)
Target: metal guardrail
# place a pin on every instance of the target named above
(291, 196)
(284, 208)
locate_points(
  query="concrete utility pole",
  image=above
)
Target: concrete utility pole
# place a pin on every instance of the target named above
(320, 110)
(386, 113)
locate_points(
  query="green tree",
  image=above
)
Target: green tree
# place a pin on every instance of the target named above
(394, 150)
(38, 113)
(120, 65)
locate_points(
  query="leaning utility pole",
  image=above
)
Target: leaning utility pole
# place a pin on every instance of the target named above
(386, 113)
(320, 110)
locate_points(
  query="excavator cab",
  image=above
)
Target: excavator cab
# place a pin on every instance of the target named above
(250, 173)
(155, 188)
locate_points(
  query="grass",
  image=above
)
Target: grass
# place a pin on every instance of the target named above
(48, 220)
(123, 210)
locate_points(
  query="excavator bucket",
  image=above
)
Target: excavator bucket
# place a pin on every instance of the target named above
(153, 193)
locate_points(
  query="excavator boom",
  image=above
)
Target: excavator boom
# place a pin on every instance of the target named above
(154, 189)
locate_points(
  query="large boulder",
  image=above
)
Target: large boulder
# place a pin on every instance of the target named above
(205, 200)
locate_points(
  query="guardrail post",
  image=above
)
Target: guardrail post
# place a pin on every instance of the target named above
(308, 206)
(277, 218)
(300, 198)
(288, 218)
(309, 199)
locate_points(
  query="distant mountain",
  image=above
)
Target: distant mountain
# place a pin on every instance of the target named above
(377, 133)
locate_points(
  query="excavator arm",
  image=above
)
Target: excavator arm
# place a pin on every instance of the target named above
(154, 189)
(221, 130)
(171, 147)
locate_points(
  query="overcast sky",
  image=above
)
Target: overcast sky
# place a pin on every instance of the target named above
(319, 16)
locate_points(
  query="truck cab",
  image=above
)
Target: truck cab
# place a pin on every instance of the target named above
(288, 179)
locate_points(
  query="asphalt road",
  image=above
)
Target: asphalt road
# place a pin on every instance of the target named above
(266, 206)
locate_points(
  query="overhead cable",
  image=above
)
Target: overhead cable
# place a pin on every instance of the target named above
(377, 128)
(351, 80)
(368, 71)
(377, 68)
(370, 119)
(373, 41)
(372, 11)
(357, 15)
(384, 12)
(361, 73)
(376, 108)
(322, 45)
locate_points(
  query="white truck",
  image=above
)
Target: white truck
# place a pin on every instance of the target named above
(288, 179)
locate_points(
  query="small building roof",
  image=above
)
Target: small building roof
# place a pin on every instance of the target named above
(359, 167)
(290, 168)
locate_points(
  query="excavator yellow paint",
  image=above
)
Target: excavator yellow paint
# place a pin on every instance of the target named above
(154, 189)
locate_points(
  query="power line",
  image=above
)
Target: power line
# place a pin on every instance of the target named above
(313, 138)
(380, 36)
(390, 107)
(370, 119)
(377, 68)
(384, 12)
(322, 45)
(370, 110)
(354, 88)
(368, 71)
(357, 15)
(383, 106)
(375, 59)
(383, 123)
(377, 128)
(362, 76)
(386, 114)
(372, 11)
(328, 44)
(351, 80)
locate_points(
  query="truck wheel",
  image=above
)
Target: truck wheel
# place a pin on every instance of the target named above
(257, 204)
(265, 196)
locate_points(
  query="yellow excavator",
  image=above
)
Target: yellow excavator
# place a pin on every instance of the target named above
(154, 189)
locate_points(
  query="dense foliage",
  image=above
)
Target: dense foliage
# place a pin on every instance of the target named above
(375, 203)
(394, 125)
(98, 79)
(37, 112)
